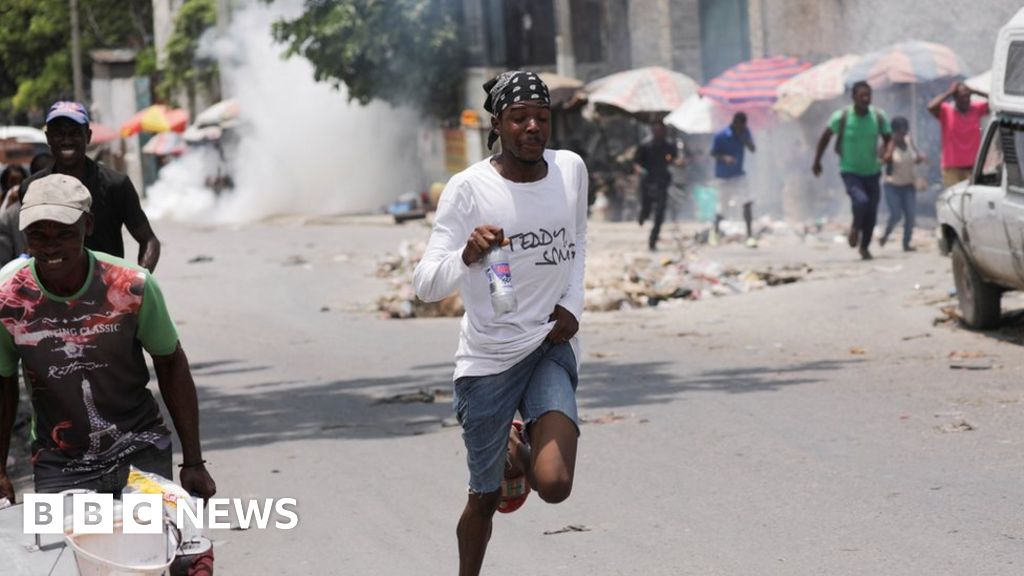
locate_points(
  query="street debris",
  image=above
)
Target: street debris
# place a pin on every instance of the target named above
(569, 528)
(608, 418)
(950, 314)
(858, 351)
(420, 396)
(957, 425)
(916, 337)
(615, 281)
(970, 366)
(200, 258)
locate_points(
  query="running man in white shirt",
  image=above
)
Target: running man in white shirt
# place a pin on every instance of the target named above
(534, 201)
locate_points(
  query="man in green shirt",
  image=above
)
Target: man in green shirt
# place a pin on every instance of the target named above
(858, 129)
(78, 321)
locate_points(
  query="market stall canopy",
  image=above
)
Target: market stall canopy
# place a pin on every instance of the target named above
(563, 88)
(695, 116)
(101, 134)
(165, 144)
(754, 84)
(910, 62)
(222, 114)
(156, 119)
(23, 134)
(982, 82)
(823, 81)
(651, 90)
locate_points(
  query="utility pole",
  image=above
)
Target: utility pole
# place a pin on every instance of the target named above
(76, 53)
(565, 59)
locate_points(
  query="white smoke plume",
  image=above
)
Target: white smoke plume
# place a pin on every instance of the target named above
(303, 149)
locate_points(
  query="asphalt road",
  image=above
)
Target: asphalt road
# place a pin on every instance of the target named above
(823, 427)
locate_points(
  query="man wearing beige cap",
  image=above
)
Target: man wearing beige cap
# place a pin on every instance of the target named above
(79, 321)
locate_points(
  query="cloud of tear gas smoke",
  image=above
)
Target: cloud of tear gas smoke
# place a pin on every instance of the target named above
(302, 147)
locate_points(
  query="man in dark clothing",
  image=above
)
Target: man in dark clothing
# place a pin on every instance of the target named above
(114, 200)
(651, 162)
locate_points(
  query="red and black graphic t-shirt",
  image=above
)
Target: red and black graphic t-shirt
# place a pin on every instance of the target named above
(83, 363)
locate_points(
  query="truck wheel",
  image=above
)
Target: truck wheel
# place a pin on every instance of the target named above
(979, 300)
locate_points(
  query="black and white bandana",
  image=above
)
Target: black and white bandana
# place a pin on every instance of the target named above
(510, 88)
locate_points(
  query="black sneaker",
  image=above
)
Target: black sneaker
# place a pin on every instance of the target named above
(865, 254)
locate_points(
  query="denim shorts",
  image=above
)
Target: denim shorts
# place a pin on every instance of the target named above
(545, 381)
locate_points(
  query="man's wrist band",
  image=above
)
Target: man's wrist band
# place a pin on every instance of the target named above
(192, 464)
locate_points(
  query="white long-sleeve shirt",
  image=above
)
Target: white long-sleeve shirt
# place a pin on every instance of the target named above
(546, 223)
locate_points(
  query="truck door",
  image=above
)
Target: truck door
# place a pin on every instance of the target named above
(1013, 204)
(986, 239)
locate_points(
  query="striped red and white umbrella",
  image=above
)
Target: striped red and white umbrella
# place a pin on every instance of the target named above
(823, 81)
(754, 84)
(651, 90)
(911, 62)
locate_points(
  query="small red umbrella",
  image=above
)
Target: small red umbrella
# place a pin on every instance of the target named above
(157, 118)
(101, 134)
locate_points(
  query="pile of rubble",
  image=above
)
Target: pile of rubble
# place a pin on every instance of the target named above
(614, 281)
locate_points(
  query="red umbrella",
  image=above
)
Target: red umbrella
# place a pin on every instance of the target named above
(101, 134)
(753, 84)
(157, 118)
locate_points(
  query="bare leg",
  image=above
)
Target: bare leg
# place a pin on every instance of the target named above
(552, 456)
(474, 531)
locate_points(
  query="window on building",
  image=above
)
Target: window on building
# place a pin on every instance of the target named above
(529, 33)
(588, 30)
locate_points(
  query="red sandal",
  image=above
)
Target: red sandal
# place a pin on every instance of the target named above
(514, 490)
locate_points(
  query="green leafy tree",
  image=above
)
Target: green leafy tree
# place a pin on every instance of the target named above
(185, 69)
(399, 51)
(35, 47)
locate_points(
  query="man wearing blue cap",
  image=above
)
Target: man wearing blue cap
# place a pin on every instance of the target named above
(115, 203)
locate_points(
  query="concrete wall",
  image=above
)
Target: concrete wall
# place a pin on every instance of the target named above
(684, 16)
(650, 33)
(817, 29)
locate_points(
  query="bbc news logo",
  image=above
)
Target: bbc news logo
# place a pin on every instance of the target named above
(93, 513)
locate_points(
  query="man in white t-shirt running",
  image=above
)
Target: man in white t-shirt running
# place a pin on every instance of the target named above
(534, 201)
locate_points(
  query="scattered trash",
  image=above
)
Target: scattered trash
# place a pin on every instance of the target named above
(420, 396)
(965, 355)
(949, 314)
(294, 260)
(973, 366)
(957, 425)
(858, 351)
(917, 337)
(609, 418)
(569, 528)
(200, 258)
(615, 281)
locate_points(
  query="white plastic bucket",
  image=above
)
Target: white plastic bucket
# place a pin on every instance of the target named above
(121, 554)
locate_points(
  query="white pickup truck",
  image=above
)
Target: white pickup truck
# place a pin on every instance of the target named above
(981, 220)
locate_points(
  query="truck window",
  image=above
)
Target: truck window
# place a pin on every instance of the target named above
(991, 173)
(1013, 81)
(1013, 151)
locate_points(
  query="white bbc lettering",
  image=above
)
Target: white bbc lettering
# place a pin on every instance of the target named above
(292, 515)
(246, 513)
(93, 513)
(43, 514)
(219, 508)
(142, 513)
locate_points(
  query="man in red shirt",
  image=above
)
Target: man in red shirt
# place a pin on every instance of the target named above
(961, 130)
